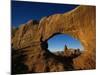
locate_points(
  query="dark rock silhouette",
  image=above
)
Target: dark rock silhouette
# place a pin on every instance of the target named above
(30, 52)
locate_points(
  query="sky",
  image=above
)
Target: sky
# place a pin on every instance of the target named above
(25, 11)
(58, 42)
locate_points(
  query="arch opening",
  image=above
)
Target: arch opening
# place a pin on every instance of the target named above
(58, 43)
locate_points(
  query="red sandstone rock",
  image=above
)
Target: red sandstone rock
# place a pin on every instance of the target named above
(30, 53)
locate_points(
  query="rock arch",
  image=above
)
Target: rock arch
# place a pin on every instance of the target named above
(79, 23)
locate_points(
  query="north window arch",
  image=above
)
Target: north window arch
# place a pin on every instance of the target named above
(57, 42)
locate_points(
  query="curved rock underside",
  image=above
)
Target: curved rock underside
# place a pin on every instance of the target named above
(30, 52)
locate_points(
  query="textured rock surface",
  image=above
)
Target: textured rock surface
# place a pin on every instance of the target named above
(30, 53)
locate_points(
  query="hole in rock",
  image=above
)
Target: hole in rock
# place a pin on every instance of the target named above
(58, 42)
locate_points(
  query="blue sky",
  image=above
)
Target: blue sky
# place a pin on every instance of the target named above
(24, 11)
(58, 42)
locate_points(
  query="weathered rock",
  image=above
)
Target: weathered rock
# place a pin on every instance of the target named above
(25, 36)
(30, 42)
(79, 23)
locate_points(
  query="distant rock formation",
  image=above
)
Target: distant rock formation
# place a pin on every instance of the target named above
(65, 48)
(71, 52)
(67, 52)
(30, 52)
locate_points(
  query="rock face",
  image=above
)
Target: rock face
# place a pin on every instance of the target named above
(30, 52)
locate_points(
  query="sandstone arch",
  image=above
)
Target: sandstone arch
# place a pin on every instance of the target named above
(79, 23)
